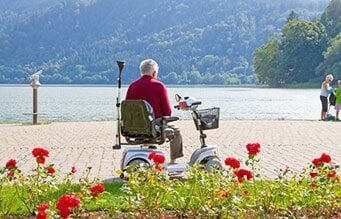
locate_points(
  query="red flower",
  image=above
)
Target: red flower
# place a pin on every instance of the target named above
(64, 212)
(43, 207)
(10, 174)
(40, 154)
(253, 148)
(232, 162)
(157, 158)
(41, 215)
(50, 170)
(313, 174)
(331, 174)
(242, 173)
(317, 162)
(73, 170)
(65, 203)
(325, 158)
(151, 155)
(11, 164)
(97, 189)
(313, 185)
(245, 192)
(69, 201)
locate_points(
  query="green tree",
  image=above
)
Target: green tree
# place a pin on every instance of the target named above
(331, 18)
(301, 50)
(266, 63)
(217, 79)
(332, 59)
(194, 77)
(171, 78)
(292, 16)
(302, 54)
(73, 46)
(231, 79)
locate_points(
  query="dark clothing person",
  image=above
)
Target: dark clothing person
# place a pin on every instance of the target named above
(324, 101)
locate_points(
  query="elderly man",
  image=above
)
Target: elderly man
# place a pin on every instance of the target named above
(148, 88)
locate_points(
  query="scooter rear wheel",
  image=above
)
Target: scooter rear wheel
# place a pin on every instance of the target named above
(213, 164)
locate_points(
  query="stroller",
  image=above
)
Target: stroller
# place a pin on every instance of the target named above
(332, 102)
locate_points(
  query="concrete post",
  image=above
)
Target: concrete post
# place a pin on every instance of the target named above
(35, 105)
(35, 84)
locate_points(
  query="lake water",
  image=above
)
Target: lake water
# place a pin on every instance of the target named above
(89, 103)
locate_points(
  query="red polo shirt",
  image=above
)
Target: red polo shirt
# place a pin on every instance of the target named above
(153, 91)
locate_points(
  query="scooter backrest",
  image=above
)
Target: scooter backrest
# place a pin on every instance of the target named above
(138, 120)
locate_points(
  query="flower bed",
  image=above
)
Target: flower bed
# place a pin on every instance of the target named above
(238, 191)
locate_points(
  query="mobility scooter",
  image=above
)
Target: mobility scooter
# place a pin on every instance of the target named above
(137, 124)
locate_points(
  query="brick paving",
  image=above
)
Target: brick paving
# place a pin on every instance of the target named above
(85, 144)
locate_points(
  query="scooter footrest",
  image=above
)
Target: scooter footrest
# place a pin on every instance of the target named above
(116, 147)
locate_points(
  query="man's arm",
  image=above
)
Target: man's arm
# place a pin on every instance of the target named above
(164, 101)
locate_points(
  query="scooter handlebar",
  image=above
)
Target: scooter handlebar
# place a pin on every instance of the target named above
(196, 103)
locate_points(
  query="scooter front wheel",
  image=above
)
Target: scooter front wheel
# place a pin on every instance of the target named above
(137, 164)
(213, 164)
(133, 166)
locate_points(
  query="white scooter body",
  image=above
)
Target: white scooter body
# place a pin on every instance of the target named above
(207, 155)
(140, 154)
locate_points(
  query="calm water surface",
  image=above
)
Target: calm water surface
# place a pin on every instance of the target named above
(84, 103)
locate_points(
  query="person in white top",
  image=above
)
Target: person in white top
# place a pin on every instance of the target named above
(325, 91)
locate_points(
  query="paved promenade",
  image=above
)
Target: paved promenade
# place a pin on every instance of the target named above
(85, 144)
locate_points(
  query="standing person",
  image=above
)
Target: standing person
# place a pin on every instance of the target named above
(148, 88)
(338, 100)
(325, 91)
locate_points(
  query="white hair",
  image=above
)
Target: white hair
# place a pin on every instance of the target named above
(148, 67)
(329, 77)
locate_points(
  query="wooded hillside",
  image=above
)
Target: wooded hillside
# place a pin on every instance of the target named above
(78, 41)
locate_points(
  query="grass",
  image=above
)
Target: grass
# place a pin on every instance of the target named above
(39, 123)
(113, 191)
(25, 123)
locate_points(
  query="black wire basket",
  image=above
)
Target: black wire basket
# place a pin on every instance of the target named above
(206, 119)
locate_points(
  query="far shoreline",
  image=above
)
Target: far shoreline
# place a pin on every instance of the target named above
(126, 85)
(294, 86)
